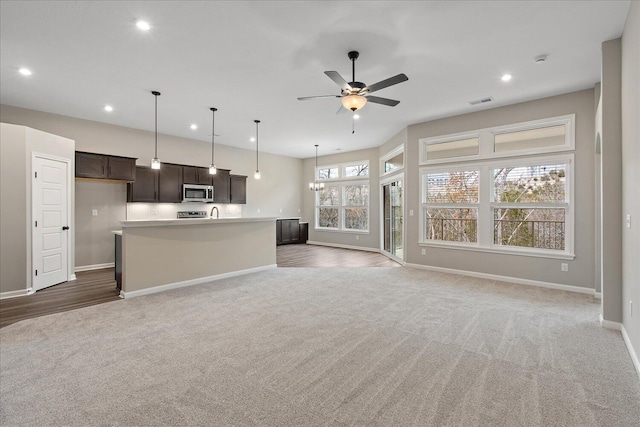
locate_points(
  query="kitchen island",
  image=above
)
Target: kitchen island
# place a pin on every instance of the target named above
(164, 254)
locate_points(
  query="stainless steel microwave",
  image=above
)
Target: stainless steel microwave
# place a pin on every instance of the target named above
(197, 193)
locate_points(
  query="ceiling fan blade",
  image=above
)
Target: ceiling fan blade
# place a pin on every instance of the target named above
(333, 75)
(341, 110)
(383, 101)
(388, 82)
(306, 98)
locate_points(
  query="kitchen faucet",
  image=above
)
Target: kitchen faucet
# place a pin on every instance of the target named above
(217, 212)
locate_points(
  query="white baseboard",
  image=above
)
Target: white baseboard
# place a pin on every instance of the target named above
(339, 245)
(95, 266)
(192, 282)
(632, 352)
(517, 280)
(18, 293)
(609, 324)
(627, 341)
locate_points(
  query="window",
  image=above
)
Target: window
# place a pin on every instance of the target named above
(451, 206)
(343, 205)
(327, 173)
(530, 139)
(356, 170)
(544, 136)
(529, 205)
(521, 204)
(455, 148)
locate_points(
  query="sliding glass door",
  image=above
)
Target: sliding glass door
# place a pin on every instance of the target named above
(392, 211)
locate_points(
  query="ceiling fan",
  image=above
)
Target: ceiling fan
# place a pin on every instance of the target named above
(355, 94)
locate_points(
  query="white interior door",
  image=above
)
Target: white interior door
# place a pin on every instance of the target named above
(50, 222)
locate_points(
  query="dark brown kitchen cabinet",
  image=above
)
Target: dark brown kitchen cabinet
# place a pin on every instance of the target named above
(221, 186)
(238, 189)
(145, 187)
(196, 175)
(287, 231)
(164, 185)
(102, 166)
(170, 183)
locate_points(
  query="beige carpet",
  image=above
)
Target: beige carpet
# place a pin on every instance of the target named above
(338, 347)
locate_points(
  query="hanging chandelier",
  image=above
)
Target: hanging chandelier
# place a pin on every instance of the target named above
(315, 186)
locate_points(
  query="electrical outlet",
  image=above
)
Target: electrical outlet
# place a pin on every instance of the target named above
(357, 237)
(424, 251)
(564, 266)
(94, 212)
(410, 212)
(628, 221)
(258, 210)
(280, 210)
(154, 211)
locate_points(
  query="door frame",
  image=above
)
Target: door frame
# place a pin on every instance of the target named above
(388, 179)
(71, 235)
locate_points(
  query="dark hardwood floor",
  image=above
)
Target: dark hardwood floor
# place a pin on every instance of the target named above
(89, 288)
(98, 286)
(326, 256)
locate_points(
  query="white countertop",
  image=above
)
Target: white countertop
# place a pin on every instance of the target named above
(191, 221)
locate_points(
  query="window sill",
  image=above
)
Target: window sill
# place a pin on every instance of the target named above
(337, 230)
(495, 250)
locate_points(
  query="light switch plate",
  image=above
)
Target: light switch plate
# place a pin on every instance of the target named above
(94, 212)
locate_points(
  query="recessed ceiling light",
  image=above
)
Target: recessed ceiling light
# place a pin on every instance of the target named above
(506, 77)
(252, 139)
(25, 71)
(143, 25)
(108, 108)
(194, 126)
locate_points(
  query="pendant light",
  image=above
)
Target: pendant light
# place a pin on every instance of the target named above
(314, 186)
(155, 162)
(257, 174)
(212, 166)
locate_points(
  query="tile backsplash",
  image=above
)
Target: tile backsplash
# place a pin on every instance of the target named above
(147, 211)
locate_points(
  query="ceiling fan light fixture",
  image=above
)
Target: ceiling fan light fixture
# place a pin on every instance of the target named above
(354, 102)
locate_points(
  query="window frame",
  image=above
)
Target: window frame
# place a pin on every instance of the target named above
(486, 138)
(488, 160)
(390, 155)
(425, 206)
(342, 181)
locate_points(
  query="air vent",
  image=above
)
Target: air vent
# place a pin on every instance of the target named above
(481, 101)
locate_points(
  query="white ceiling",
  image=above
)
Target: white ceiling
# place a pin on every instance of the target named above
(252, 60)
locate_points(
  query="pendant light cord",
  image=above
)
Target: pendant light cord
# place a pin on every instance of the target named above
(257, 139)
(213, 132)
(156, 152)
(156, 94)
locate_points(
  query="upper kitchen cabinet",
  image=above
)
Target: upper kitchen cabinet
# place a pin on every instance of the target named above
(196, 175)
(145, 187)
(238, 184)
(102, 166)
(164, 185)
(170, 183)
(221, 186)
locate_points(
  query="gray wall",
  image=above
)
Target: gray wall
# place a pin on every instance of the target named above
(16, 147)
(581, 269)
(611, 182)
(631, 174)
(278, 193)
(94, 241)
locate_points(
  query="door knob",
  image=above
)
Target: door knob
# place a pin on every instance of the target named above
(65, 227)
